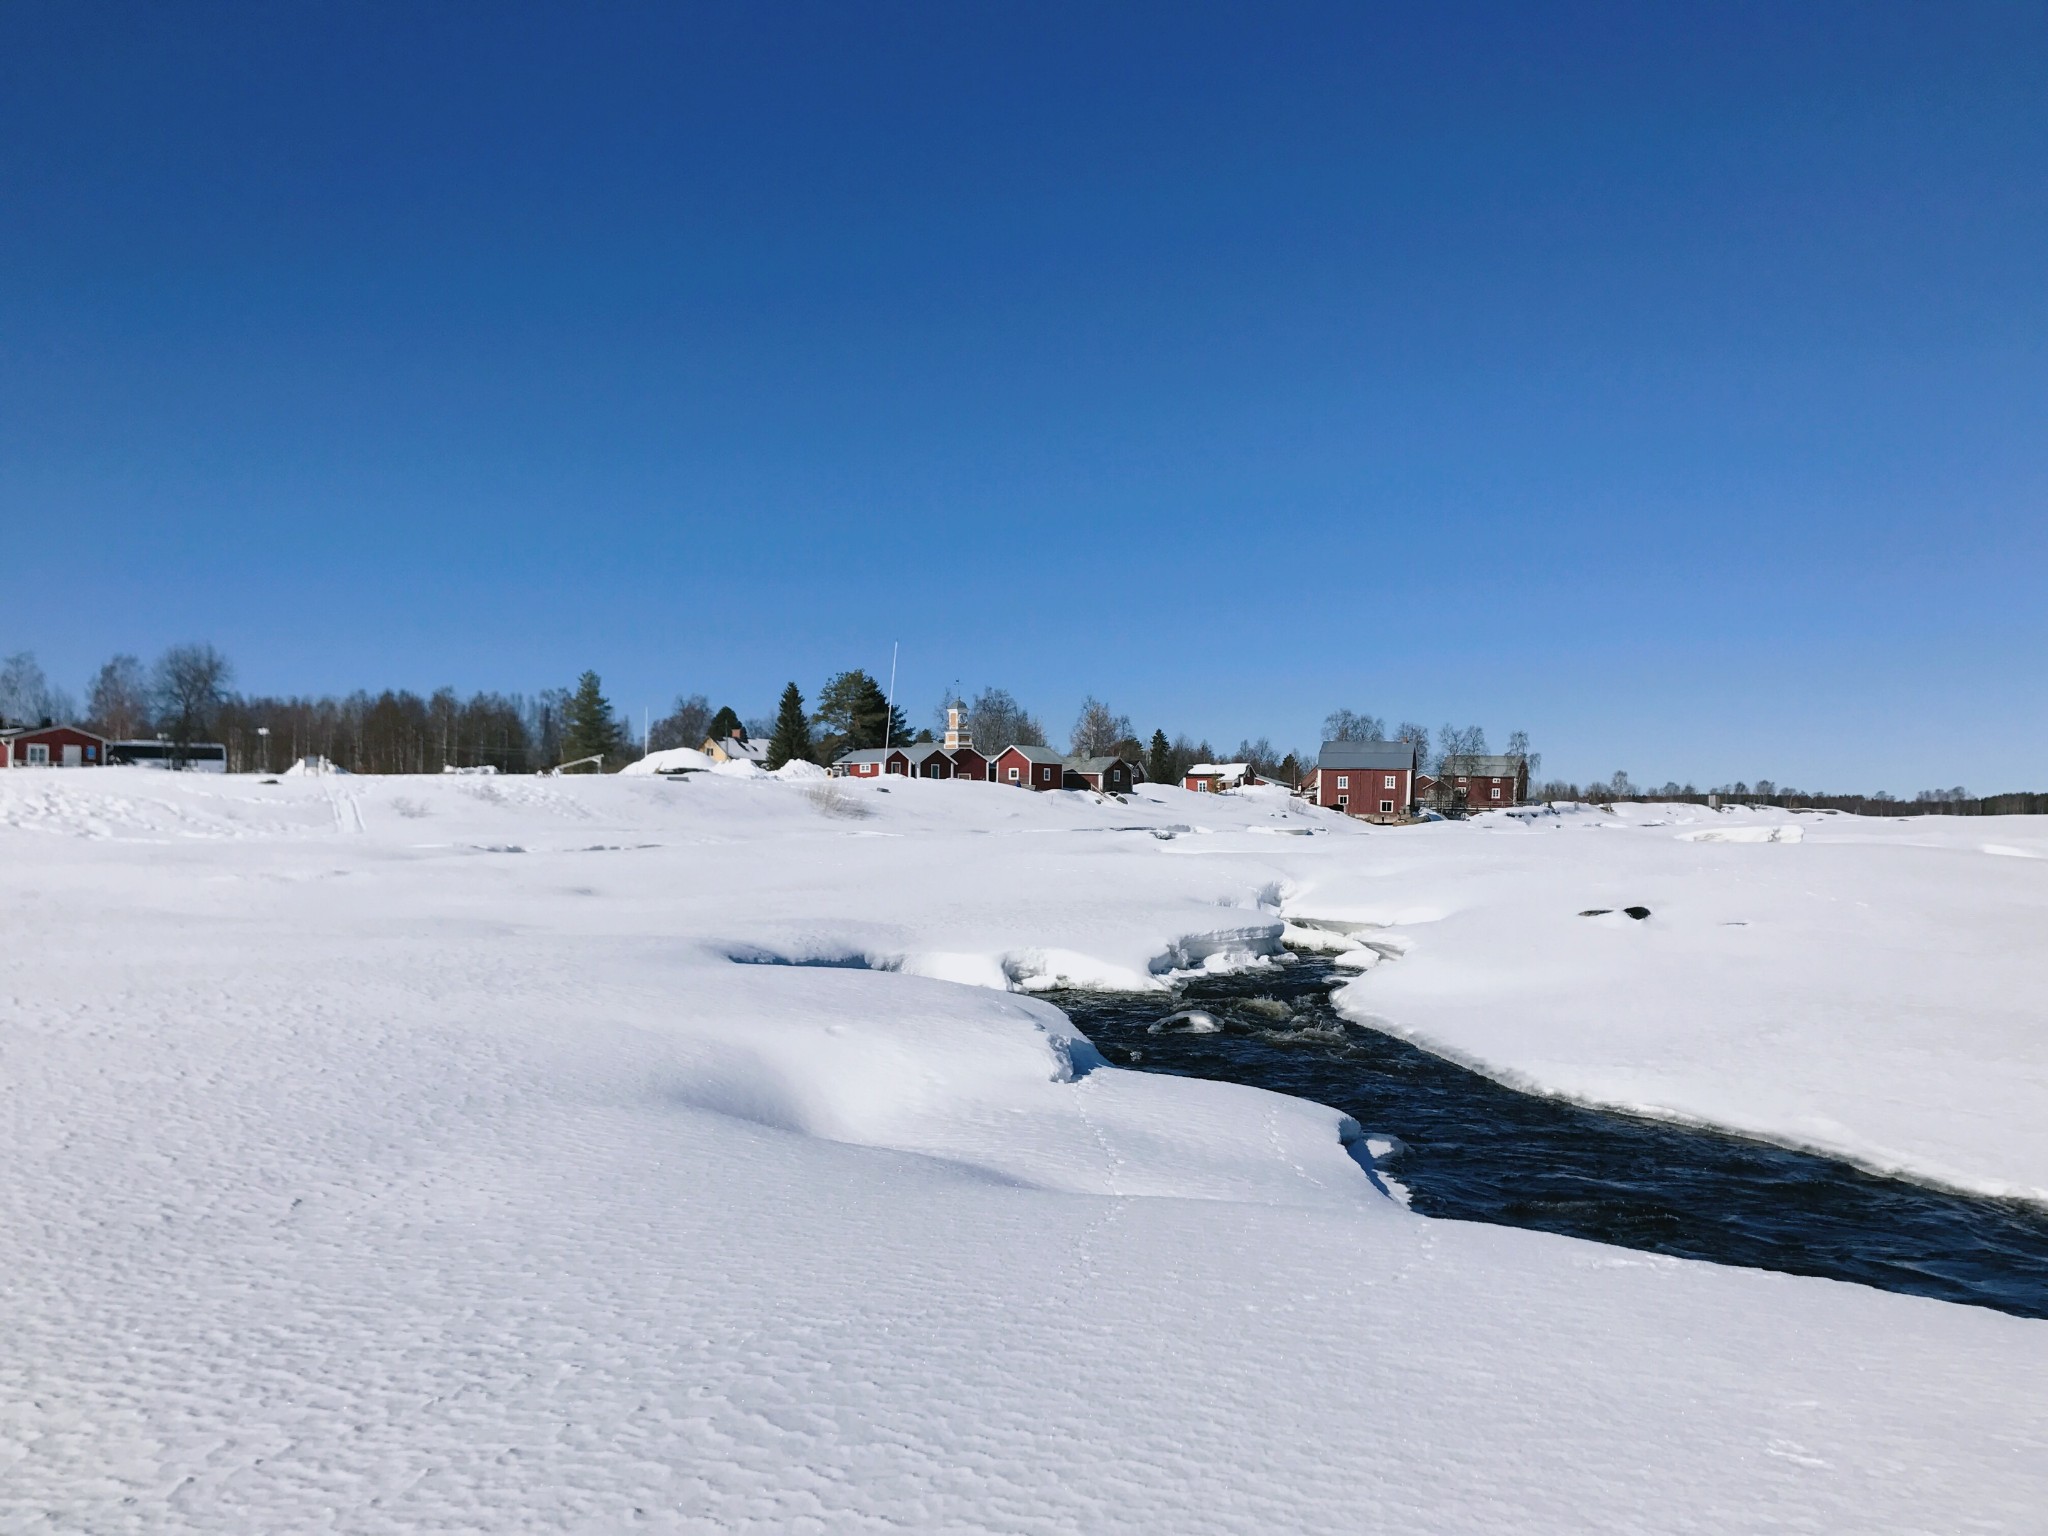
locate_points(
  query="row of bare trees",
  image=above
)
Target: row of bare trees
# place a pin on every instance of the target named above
(1453, 749)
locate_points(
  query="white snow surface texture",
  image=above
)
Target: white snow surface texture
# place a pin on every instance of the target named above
(412, 1155)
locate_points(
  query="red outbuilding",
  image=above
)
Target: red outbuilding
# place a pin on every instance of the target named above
(1029, 767)
(52, 746)
(1107, 775)
(873, 762)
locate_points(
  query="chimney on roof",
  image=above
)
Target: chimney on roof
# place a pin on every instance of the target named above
(956, 734)
(738, 734)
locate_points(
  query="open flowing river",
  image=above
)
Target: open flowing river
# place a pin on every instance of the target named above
(1468, 1148)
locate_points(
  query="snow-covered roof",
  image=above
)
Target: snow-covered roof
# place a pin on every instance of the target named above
(738, 750)
(669, 760)
(1219, 770)
(1367, 754)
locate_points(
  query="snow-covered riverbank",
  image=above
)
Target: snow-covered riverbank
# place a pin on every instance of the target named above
(413, 1155)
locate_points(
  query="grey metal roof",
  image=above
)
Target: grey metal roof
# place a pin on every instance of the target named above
(1367, 754)
(1485, 767)
(918, 752)
(1034, 754)
(1092, 764)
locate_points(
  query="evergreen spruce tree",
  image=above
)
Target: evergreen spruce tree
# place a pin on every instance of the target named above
(725, 723)
(591, 729)
(1159, 762)
(792, 739)
(853, 712)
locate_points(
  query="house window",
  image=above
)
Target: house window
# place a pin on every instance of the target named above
(1390, 781)
(1496, 794)
(1386, 807)
(1343, 801)
(38, 755)
(1013, 775)
(1343, 781)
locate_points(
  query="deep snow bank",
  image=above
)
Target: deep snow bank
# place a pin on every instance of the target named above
(1868, 988)
(418, 1154)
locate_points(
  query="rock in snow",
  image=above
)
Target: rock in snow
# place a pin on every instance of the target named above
(360, 1180)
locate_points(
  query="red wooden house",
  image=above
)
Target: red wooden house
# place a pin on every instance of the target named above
(1213, 778)
(52, 746)
(1029, 767)
(1373, 779)
(1107, 775)
(1486, 783)
(873, 762)
(955, 758)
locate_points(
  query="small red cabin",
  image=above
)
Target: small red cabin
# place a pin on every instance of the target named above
(872, 763)
(52, 746)
(1108, 775)
(1029, 767)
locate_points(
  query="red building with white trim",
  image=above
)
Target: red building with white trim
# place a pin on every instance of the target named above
(1372, 779)
(52, 746)
(1038, 768)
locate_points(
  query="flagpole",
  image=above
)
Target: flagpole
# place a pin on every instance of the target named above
(889, 721)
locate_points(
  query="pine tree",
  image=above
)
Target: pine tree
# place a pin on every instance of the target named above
(792, 739)
(726, 724)
(590, 728)
(1159, 763)
(853, 713)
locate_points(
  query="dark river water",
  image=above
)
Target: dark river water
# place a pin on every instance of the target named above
(1470, 1149)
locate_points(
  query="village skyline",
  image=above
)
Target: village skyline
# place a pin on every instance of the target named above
(188, 693)
(1436, 365)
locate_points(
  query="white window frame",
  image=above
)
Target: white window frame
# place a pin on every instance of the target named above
(1343, 781)
(1496, 791)
(1391, 783)
(1386, 807)
(38, 754)
(1013, 775)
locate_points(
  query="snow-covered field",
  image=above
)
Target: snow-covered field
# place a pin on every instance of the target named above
(435, 1155)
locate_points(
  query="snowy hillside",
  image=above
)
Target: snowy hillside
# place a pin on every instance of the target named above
(449, 1154)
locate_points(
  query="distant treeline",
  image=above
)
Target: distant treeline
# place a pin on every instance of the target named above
(183, 697)
(1929, 802)
(394, 731)
(2016, 804)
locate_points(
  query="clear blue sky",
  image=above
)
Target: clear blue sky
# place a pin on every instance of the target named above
(1669, 381)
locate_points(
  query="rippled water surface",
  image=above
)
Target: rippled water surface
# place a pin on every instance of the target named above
(1471, 1149)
